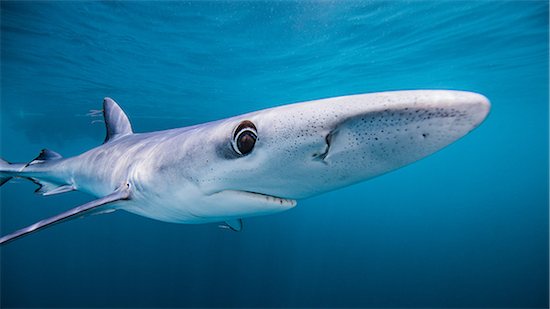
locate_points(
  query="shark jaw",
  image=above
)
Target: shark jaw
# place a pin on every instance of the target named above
(260, 197)
(266, 203)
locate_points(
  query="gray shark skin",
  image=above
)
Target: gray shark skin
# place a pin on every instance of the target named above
(253, 164)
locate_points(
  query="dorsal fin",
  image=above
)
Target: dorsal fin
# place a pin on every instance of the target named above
(116, 121)
(45, 155)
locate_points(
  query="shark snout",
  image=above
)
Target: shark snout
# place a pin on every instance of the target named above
(369, 135)
(477, 106)
(402, 128)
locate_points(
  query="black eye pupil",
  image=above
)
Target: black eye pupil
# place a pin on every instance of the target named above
(246, 141)
(244, 137)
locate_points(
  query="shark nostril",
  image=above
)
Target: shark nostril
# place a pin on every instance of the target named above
(424, 135)
(322, 156)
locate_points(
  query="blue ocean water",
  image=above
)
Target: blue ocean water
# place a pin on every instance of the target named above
(465, 227)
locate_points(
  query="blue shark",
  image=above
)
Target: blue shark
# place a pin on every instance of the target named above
(254, 164)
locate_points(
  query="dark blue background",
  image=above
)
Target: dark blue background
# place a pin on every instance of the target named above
(466, 227)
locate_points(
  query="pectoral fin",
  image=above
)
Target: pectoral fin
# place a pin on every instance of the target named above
(235, 225)
(99, 205)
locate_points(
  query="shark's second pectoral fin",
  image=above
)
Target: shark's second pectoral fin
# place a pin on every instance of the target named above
(235, 225)
(99, 205)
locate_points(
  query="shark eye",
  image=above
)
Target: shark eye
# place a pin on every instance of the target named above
(244, 137)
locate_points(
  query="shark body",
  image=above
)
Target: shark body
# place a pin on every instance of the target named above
(253, 164)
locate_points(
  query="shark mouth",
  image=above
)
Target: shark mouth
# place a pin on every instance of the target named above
(263, 198)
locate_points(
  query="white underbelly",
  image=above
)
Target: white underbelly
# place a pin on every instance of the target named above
(166, 212)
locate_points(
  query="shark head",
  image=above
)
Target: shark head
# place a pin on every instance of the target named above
(262, 162)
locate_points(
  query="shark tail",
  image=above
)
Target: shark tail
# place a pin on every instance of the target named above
(4, 166)
(32, 171)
